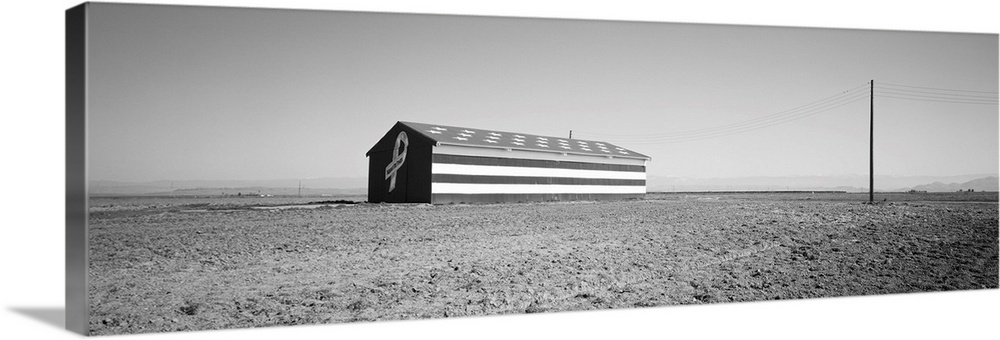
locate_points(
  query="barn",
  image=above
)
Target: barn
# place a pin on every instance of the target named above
(427, 163)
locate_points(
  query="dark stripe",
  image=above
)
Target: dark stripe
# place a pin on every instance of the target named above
(497, 198)
(450, 178)
(534, 163)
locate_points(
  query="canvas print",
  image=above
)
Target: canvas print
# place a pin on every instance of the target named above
(262, 167)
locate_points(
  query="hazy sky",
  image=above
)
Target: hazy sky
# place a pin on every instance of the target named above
(182, 93)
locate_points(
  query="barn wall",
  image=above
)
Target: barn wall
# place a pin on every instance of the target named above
(493, 198)
(465, 174)
(413, 177)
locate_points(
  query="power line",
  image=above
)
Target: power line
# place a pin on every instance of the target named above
(937, 88)
(780, 116)
(929, 93)
(938, 93)
(894, 91)
(749, 126)
(722, 133)
(936, 100)
(934, 96)
(755, 126)
(906, 95)
(758, 127)
(884, 90)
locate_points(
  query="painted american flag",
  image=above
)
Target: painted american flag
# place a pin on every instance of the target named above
(522, 141)
(481, 165)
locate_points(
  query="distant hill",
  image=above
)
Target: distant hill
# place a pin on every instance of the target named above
(253, 191)
(311, 186)
(980, 184)
(849, 183)
(359, 185)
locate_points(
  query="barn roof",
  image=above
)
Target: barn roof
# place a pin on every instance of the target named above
(454, 135)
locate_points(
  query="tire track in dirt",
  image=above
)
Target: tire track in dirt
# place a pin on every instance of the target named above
(739, 254)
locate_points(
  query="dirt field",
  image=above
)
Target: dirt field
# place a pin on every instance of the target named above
(172, 264)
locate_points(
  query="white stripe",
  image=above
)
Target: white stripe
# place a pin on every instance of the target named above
(516, 171)
(475, 188)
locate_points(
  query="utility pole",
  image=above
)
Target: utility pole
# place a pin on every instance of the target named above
(871, 144)
(300, 188)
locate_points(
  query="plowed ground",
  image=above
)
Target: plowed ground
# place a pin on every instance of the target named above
(173, 265)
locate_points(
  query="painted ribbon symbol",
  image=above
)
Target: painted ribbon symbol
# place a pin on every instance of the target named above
(398, 156)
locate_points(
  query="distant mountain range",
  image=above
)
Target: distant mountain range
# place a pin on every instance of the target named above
(358, 185)
(850, 183)
(981, 184)
(311, 186)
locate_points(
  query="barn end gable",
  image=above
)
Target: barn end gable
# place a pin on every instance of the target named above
(389, 139)
(399, 166)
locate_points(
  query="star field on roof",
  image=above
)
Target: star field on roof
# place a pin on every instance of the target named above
(500, 139)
